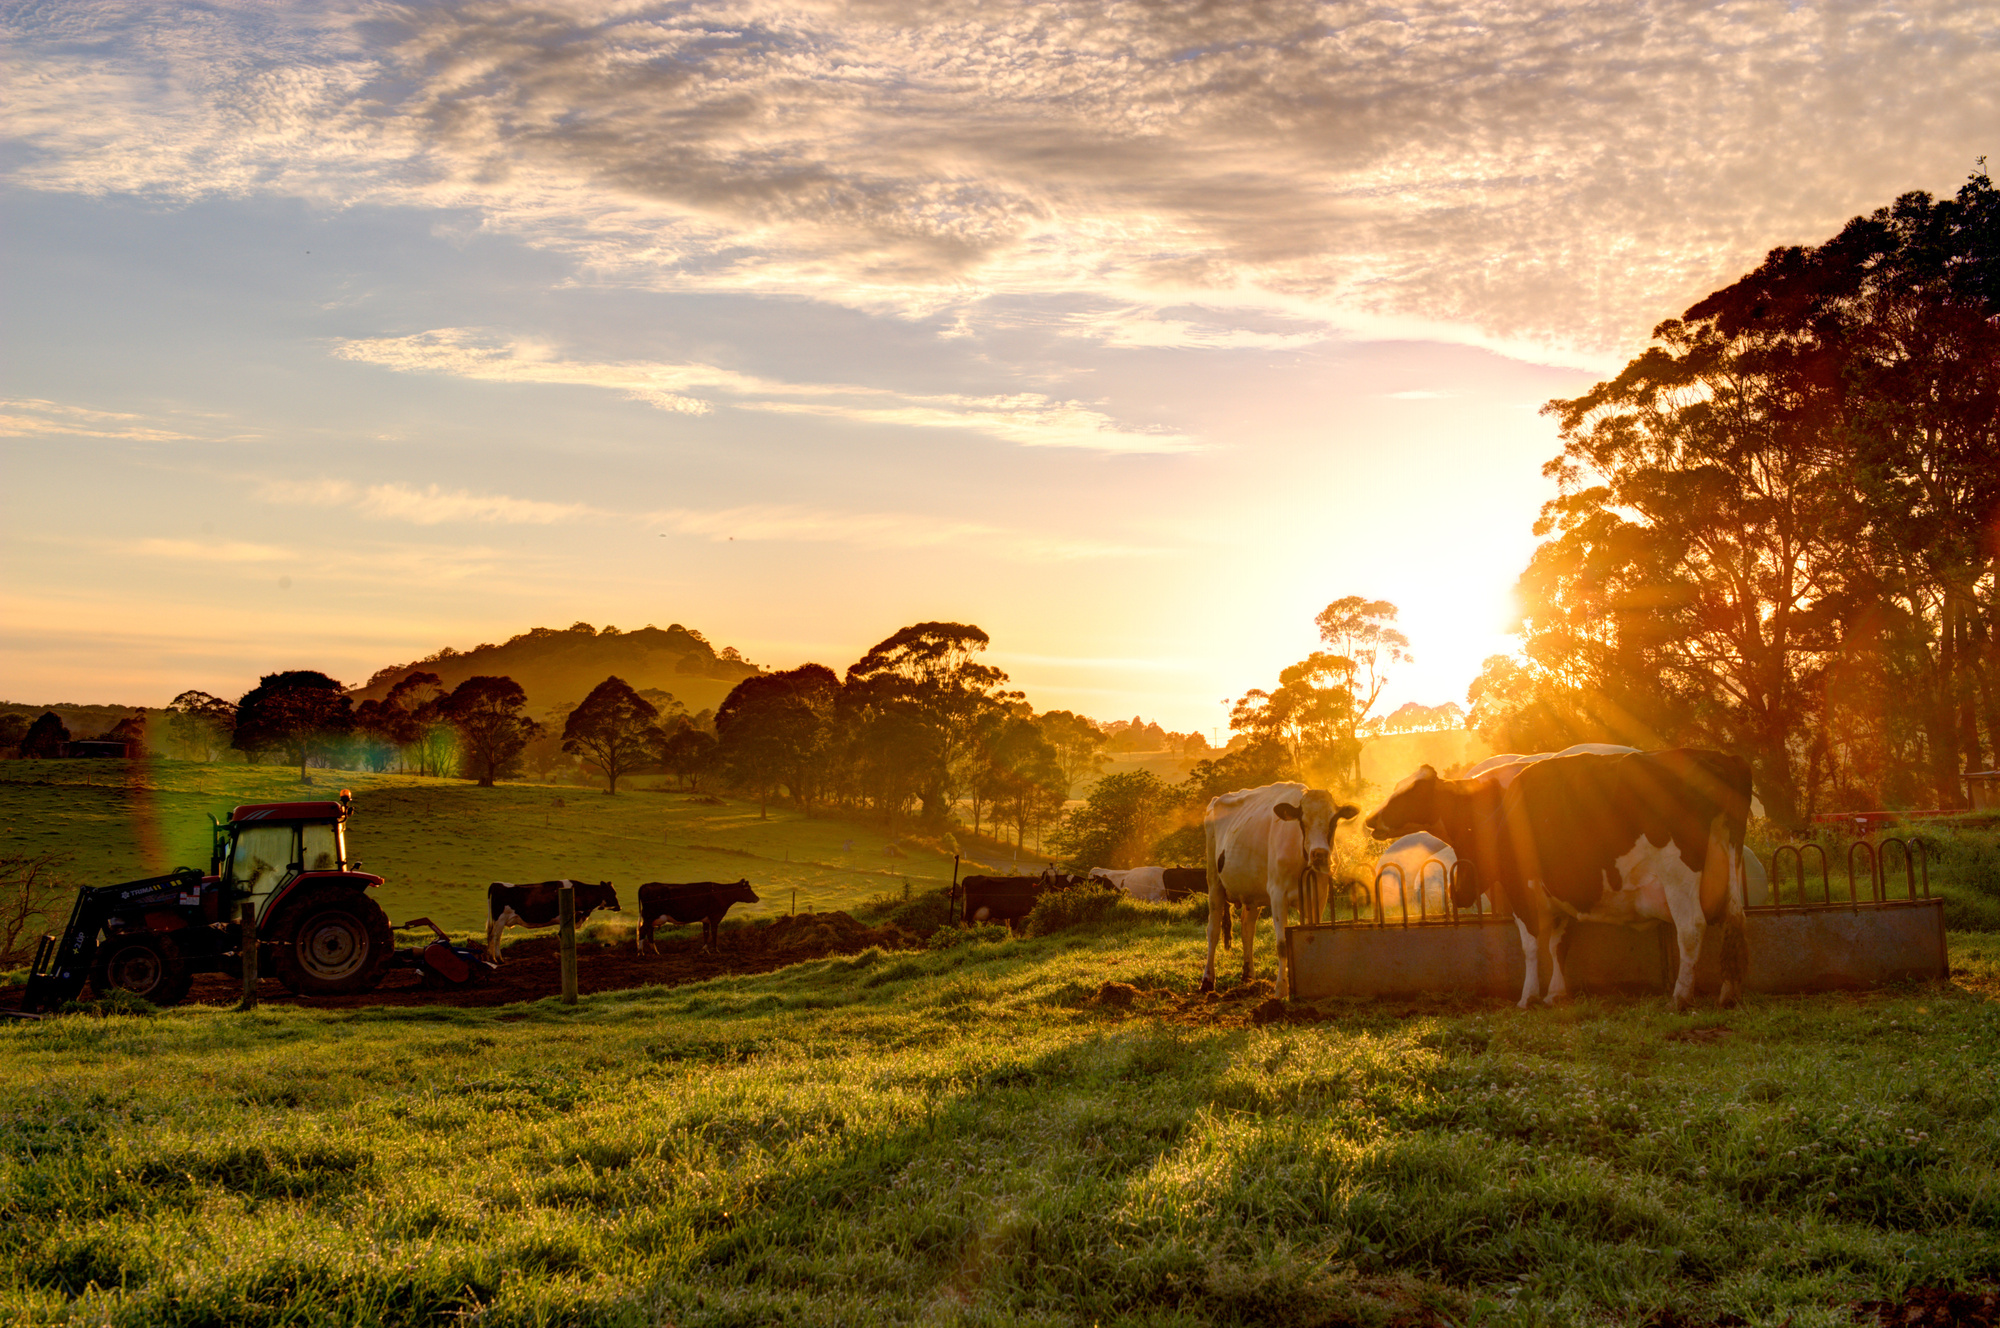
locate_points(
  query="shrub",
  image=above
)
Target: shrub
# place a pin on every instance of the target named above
(1058, 910)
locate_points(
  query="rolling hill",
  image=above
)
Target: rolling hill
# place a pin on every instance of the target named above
(560, 665)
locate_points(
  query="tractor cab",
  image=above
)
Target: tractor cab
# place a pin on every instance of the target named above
(266, 849)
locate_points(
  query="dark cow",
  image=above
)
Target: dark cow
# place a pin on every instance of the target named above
(696, 901)
(535, 906)
(1008, 899)
(1648, 836)
(1180, 882)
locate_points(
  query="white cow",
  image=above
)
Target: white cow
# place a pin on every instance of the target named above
(1257, 846)
(1148, 883)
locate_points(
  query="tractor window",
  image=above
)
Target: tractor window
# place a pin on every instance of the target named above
(320, 852)
(263, 852)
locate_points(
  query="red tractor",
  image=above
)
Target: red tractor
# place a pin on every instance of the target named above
(319, 929)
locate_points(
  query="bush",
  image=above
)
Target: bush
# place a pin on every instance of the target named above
(981, 933)
(1058, 910)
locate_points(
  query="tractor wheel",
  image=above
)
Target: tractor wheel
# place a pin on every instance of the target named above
(331, 940)
(146, 965)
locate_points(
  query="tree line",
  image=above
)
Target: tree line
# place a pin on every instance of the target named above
(1777, 530)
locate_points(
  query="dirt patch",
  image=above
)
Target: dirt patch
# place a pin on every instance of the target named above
(533, 967)
(1933, 1307)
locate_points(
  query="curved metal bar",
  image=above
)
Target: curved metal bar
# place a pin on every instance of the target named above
(1874, 870)
(1778, 877)
(1385, 868)
(1909, 864)
(1424, 882)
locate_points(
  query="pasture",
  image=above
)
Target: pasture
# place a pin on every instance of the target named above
(1001, 1131)
(440, 841)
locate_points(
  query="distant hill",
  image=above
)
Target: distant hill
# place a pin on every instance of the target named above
(557, 666)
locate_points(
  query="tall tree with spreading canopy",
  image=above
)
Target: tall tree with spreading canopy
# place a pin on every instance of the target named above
(1776, 529)
(773, 729)
(930, 675)
(486, 711)
(200, 725)
(299, 711)
(615, 727)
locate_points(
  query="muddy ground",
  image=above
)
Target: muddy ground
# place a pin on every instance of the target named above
(533, 968)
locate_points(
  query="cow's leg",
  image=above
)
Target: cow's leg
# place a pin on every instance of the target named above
(1531, 947)
(1218, 926)
(1249, 939)
(1726, 862)
(1681, 883)
(1278, 921)
(508, 918)
(1558, 984)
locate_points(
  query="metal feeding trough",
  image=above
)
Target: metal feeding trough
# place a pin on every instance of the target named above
(1426, 945)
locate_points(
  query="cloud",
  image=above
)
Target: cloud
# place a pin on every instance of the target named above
(211, 551)
(1528, 173)
(1028, 419)
(428, 506)
(885, 530)
(50, 417)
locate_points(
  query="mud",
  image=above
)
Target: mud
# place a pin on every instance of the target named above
(532, 967)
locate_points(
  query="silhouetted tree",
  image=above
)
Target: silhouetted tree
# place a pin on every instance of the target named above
(773, 728)
(201, 725)
(297, 711)
(688, 754)
(614, 726)
(1078, 745)
(1118, 824)
(13, 728)
(491, 728)
(45, 737)
(929, 676)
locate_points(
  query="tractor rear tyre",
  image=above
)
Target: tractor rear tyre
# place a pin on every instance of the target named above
(147, 965)
(331, 940)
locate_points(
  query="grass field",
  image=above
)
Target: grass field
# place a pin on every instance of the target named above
(967, 1135)
(440, 842)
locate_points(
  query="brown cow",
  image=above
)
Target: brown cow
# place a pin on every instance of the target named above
(535, 906)
(695, 901)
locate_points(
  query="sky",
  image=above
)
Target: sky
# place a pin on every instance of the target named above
(1133, 333)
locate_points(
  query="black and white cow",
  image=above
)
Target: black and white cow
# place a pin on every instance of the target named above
(1608, 838)
(535, 906)
(695, 901)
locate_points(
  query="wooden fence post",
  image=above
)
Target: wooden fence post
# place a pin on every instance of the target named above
(249, 953)
(566, 918)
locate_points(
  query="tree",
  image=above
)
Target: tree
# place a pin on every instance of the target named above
(32, 891)
(131, 729)
(200, 726)
(1027, 782)
(1118, 824)
(1774, 527)
(929, 674)
(13, 728)
(687, 754)
(1078, 745)
(773, 729)
(45, 737)
(486, 711)
(1360, 633)
(298, 711)
(614, 727)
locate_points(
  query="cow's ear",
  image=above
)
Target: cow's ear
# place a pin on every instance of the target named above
(1286, 811)
(1346, 811)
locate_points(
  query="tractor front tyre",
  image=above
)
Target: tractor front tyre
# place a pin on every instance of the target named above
(149, 966)
(331, 940)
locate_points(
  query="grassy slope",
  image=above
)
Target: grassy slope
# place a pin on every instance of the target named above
(439, 842)
(962, 1136)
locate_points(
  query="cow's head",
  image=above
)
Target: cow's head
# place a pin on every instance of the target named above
(739, 893)
(1318, 817)
(1412, 807)
(600, 895)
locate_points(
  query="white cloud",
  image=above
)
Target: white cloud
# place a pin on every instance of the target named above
(885, 530)
(1028, 419)
(1521, 174)
(211, 551)
(29, 417)
(427, 506)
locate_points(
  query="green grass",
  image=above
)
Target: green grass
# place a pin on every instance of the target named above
(963, 1135)
(439, 842)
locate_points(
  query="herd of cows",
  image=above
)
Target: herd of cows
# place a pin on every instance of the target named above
(1594, 833)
